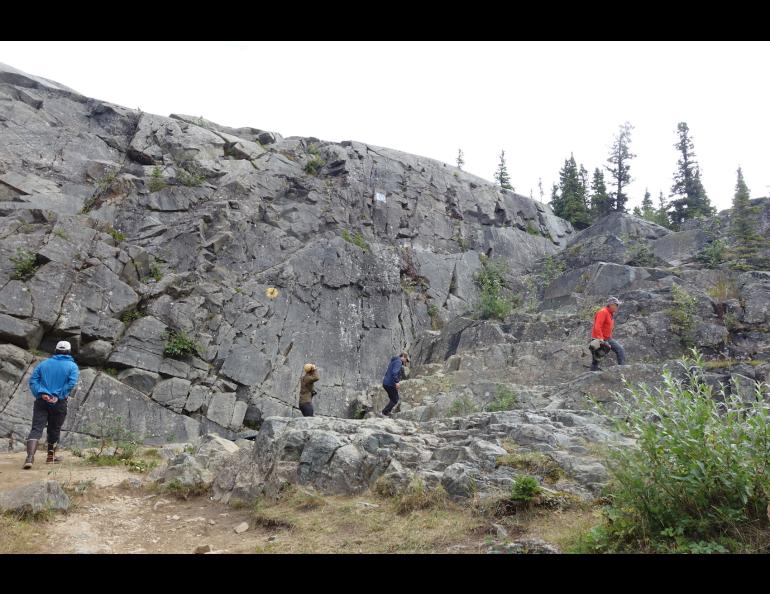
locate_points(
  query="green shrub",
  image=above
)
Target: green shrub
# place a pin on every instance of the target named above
(682, 315)
(155, 271)
(642, 257)
(493, 302)
(156, 183)
(24, 265)
(505, 399)
(462, 406)
(179, 345)
(316, 162)
(552, 268)
(697, 477)
(713, 254)
(525, 488)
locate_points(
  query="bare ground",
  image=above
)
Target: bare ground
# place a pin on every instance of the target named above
(106, 517)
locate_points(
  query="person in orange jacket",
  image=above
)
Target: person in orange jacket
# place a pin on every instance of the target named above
(601, 335)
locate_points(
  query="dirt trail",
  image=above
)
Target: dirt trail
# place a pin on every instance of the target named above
(108, 518)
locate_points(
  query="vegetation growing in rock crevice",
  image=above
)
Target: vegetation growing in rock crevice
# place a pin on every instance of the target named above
(357, 239)
(24, 265)
(179, 345)
(156, 182)
(682, 315)
(316, 162)
(495, 301)
(505, 399)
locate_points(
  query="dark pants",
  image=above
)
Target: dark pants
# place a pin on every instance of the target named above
(393, 395)
(307, 409)
(44, 413)
(614, 346)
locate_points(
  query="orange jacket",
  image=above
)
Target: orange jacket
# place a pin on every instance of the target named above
(603, 324)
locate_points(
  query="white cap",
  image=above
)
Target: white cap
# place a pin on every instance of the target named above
(63, 345)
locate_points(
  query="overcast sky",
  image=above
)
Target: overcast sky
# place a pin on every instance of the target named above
(540, 101)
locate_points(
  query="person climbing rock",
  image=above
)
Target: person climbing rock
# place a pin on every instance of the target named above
(601, 335)
(51, 383)
(306, 391)
(392, 378)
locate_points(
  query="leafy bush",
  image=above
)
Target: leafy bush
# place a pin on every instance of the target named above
(552, 268)
(505, 399)
(493, 303)
(179, 345)
(682, 315)
(697, 478)
(24, 265)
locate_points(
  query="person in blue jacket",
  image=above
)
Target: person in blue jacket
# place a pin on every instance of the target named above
(51, 383)
(392, 378)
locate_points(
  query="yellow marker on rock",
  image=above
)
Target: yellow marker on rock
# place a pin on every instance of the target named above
(271, 292)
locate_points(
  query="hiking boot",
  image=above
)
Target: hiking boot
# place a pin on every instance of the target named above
(595, 367)
(31, 449)
(51, 458)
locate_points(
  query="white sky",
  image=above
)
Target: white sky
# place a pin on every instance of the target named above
(537, 100)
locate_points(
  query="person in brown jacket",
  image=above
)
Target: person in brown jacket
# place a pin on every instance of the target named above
(306, 391)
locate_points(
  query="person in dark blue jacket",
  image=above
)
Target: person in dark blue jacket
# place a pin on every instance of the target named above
(392, 378)
(51, 383)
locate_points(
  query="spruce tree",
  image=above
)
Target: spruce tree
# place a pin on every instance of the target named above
(743, 217)
(648, 211)
(571, 203)
(601, 203)
(692, 200)
(661, 213)
(619, 165)
(501, 175)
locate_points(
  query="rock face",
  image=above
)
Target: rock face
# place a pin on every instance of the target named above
(267, 251)
(461, 454)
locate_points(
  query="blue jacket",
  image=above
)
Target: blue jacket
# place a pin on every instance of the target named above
(393, 374)
(55, 376)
